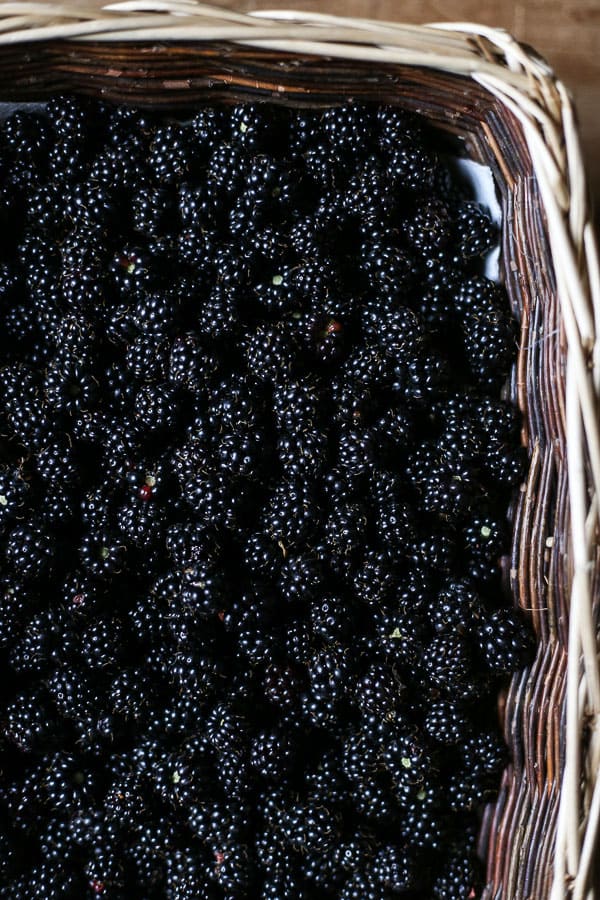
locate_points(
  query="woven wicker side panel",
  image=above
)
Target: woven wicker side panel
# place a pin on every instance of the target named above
(519, 831)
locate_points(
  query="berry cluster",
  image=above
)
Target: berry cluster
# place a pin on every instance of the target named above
(254, 472)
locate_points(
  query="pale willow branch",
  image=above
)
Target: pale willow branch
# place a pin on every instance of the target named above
(526, 88)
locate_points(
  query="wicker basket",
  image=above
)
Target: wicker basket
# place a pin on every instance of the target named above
(514, 116)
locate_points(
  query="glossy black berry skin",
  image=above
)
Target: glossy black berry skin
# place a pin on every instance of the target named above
(254, 478)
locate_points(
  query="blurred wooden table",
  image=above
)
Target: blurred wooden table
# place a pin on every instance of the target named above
(566, 32)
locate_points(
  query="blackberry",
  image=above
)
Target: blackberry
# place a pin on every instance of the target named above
(394, 868)
(447, 721)
(395, 525)
(484, 751)
(272, 754)
(460, 876)
(348, 128)
(309, 828)
(362, 885)
(31, 652)
(485, 541)
(345, 530)
(29, 550)
(374, 800)
(298, 642)
(225, 170)
(153, 210)
(328, 672)
(208, 127)
(102, 553)
(190, 365)
(429, 229)
(389, 270)
(476, 232)
(303, 453)
(325, 335)
(356, 453)
(378, 691)
(450, 667)
(301, 578)
(377, 577)
(291, 514)
(457, 609)
(422, 825)
(504, 641)
(411, 166)
(331, 618)
(253, 124)
(400, 634)
(29, 724)
(436, 552)
(490, 342)
(100, 643)
(170, 153)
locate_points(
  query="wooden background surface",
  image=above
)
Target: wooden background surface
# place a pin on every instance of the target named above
(565, 32)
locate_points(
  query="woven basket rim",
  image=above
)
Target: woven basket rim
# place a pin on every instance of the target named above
(526, 86)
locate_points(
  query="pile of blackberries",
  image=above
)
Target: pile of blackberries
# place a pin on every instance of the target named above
(254, 480)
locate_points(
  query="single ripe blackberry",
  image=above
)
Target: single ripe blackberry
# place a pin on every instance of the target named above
(485, 540)
(490, 344)
(430, 227)
(476, 232)
(225, 169)
(367, 194)
(395, 869)
(309, 828)
(504, 641)
(253, 124)
(436, 552)
(191, 366)
(397, 328)
(331, 618)
(29, 724)
(234, 870)
(102, 553)
(362, 885)
(301, 578)
(268, 352)
(171, 153)
(389, 270)
(345, 529)
(379, 691)
(457, 608)
(460, 875)
(328, 673)
(272, 754)
(411, 166)
(400, 633)
(356, 451)
(29, 550)
(291, 515)
(447, 721)
(377, 577)
(450, 667)
(298, 639)
(348, 128)
(375, 801)
(394, 525)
